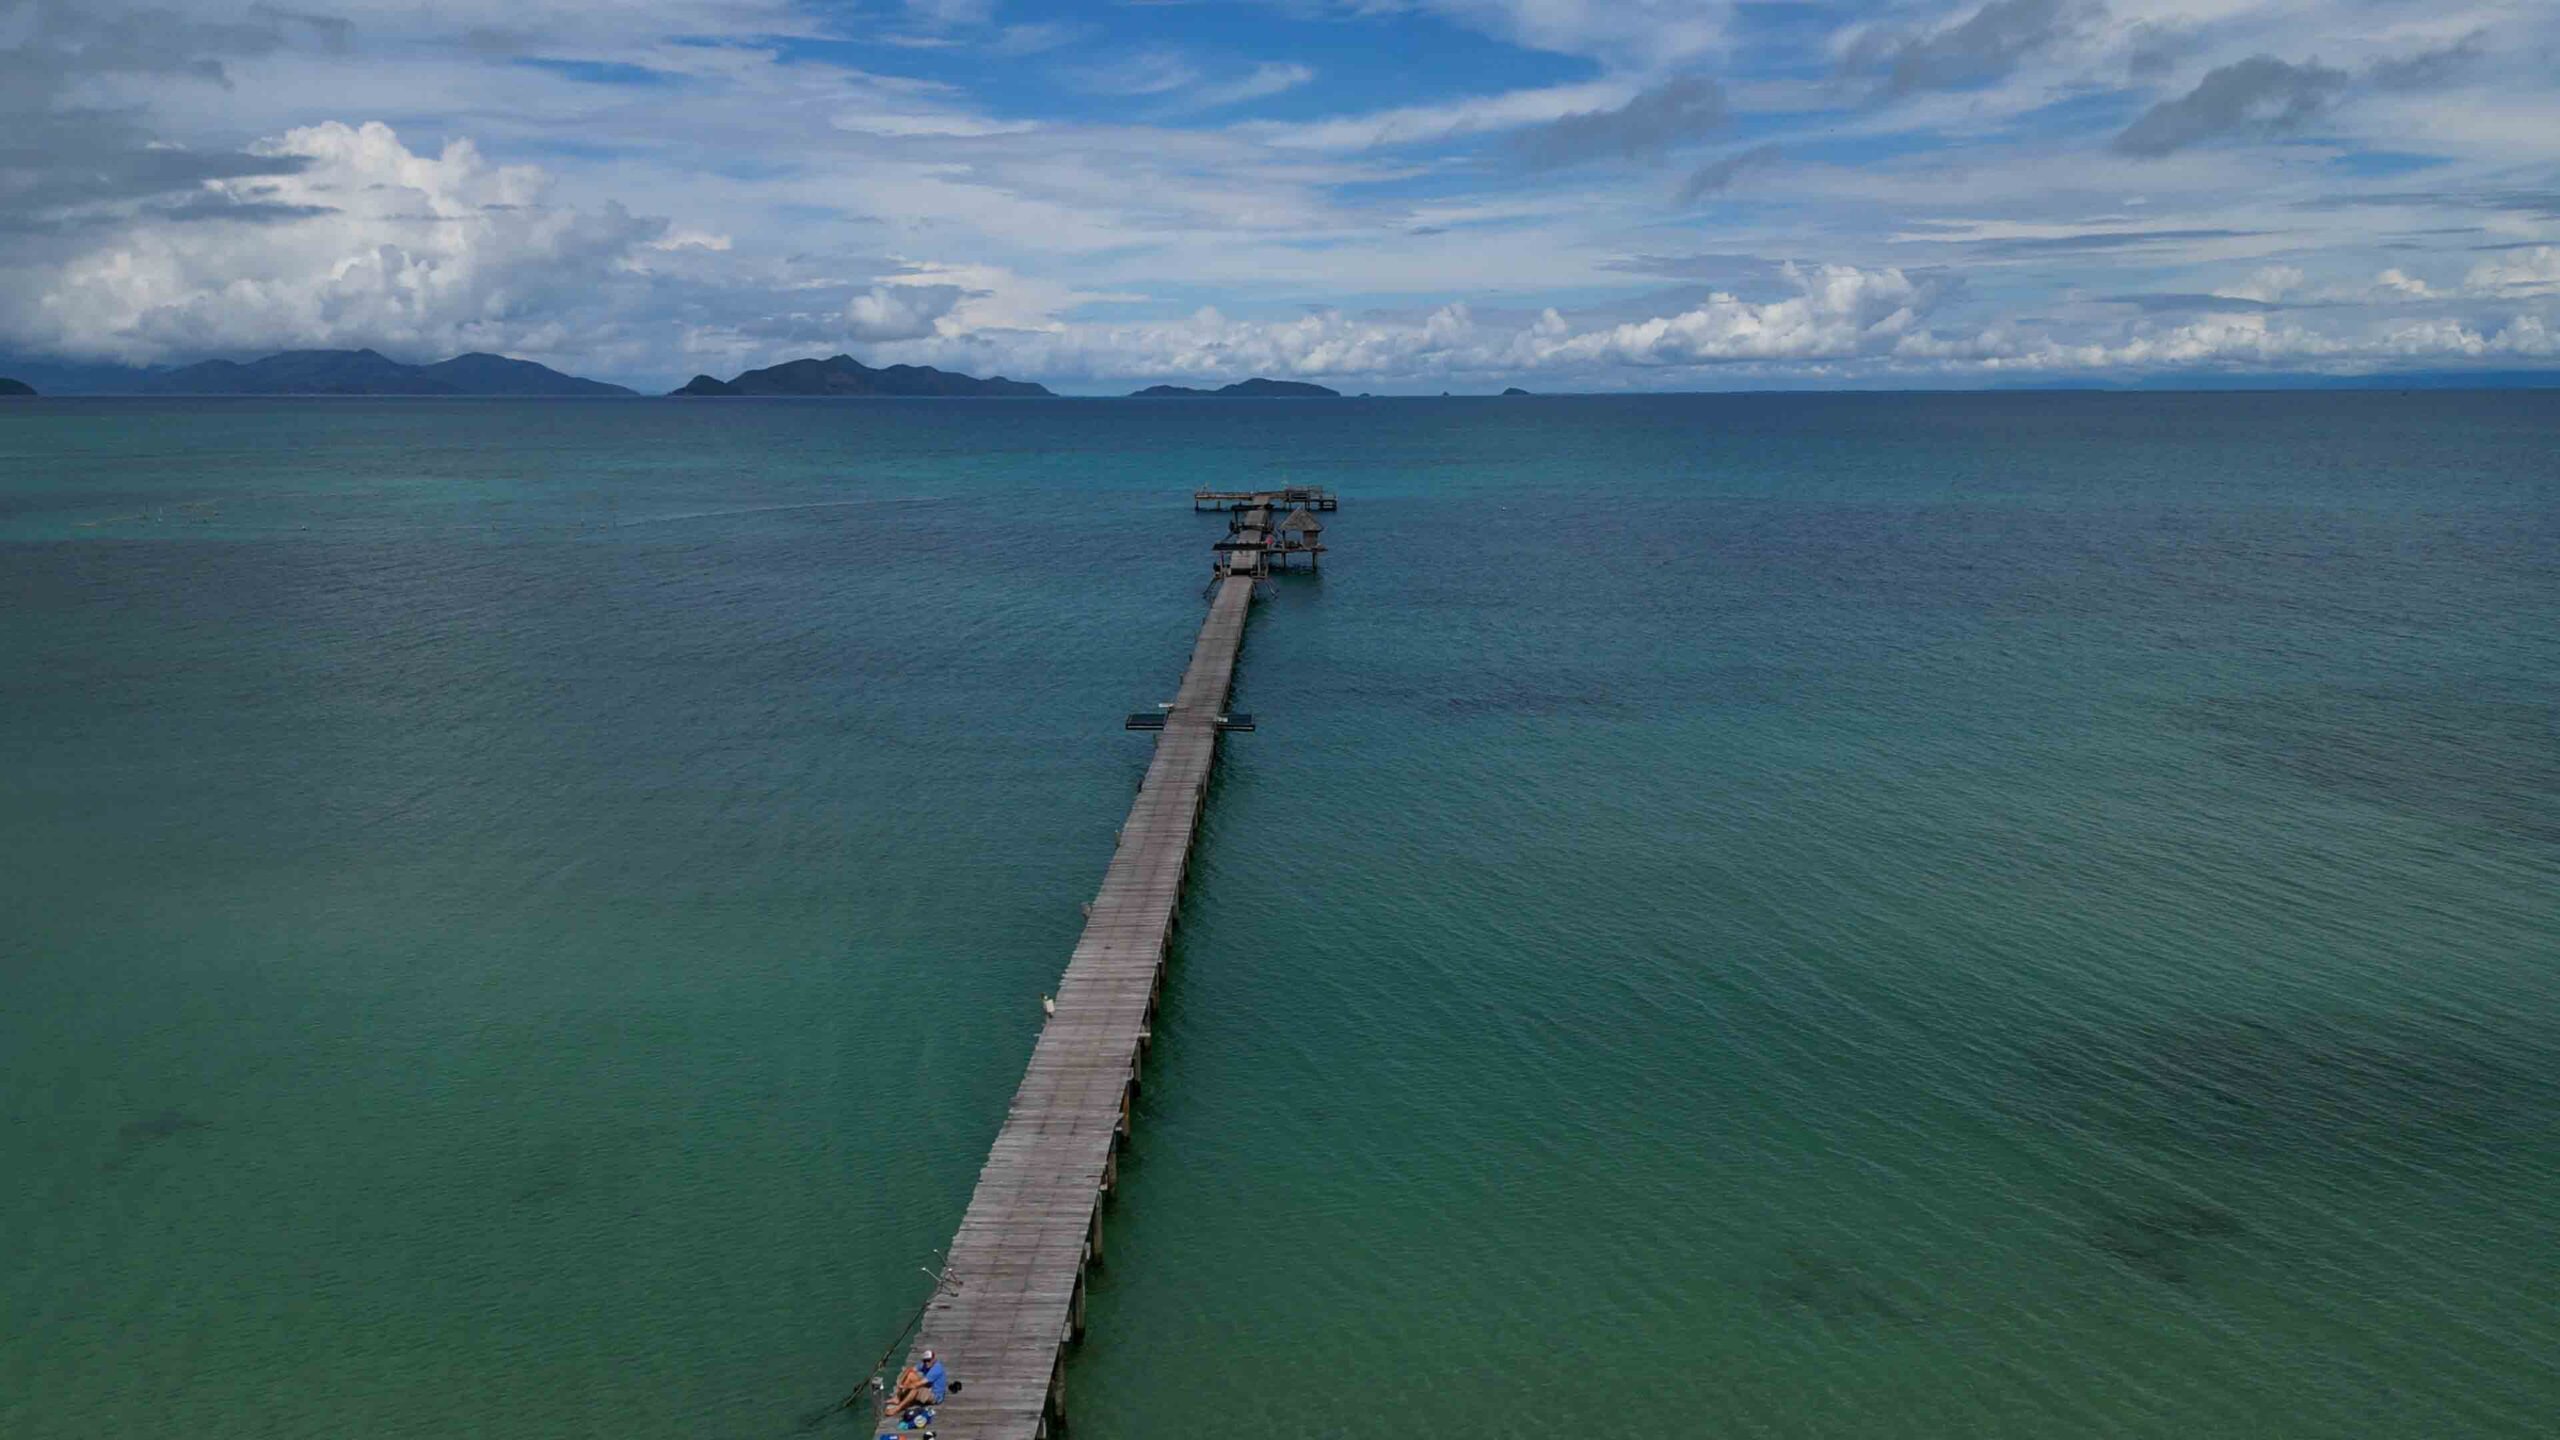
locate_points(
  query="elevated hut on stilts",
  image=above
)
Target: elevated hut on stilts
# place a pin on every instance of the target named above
(1301, 534)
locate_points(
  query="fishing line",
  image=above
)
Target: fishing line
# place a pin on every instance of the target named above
(943, 1283)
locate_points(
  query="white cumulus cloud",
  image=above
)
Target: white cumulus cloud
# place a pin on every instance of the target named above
(2528, 271)
(1835, 313)
(368, 243)
(898, 312)
(1840, 312)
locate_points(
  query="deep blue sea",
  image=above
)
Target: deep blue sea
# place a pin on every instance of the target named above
(1825, 916)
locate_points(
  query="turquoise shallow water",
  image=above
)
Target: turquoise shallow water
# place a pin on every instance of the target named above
(1881, 915)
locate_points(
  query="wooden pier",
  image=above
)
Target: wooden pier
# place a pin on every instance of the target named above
(1314, 497)
(1013, 1293)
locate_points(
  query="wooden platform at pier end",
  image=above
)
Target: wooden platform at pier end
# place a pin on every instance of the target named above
(1014, 1295)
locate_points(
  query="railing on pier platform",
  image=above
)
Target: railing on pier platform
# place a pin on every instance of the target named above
(1314, 497)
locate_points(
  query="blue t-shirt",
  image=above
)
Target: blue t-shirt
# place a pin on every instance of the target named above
(937, 1377)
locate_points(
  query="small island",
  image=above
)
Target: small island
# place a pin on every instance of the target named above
(16, 387)
(845, 377)
(1256, 388)
(1514, 390)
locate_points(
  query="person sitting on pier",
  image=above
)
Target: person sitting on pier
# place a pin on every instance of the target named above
(913, 1391)
(921, 1385)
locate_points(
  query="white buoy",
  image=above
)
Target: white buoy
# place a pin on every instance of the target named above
(1048, 1007)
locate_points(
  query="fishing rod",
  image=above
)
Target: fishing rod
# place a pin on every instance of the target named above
(941, 1280)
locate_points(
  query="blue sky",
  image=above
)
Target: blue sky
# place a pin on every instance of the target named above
(1388, 195)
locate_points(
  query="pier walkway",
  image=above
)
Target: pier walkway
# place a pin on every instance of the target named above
(1014, 1288)
(1314, 497)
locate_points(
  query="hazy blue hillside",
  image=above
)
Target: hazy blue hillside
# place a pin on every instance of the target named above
(369, 372)
(842, 375)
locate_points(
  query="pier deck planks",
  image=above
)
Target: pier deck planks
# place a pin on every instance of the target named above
(1022, 1247)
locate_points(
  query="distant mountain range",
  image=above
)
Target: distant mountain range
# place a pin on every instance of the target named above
(369, 372)
(1256, 388)
(842, 375)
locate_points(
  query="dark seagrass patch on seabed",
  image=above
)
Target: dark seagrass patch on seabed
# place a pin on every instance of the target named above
(1505, 697)
(1459, 692)
(1833, 1290)
(536, 1169)
(137, 1136)
(2313, 1089)
(2164, 1240)
(2455, 757)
